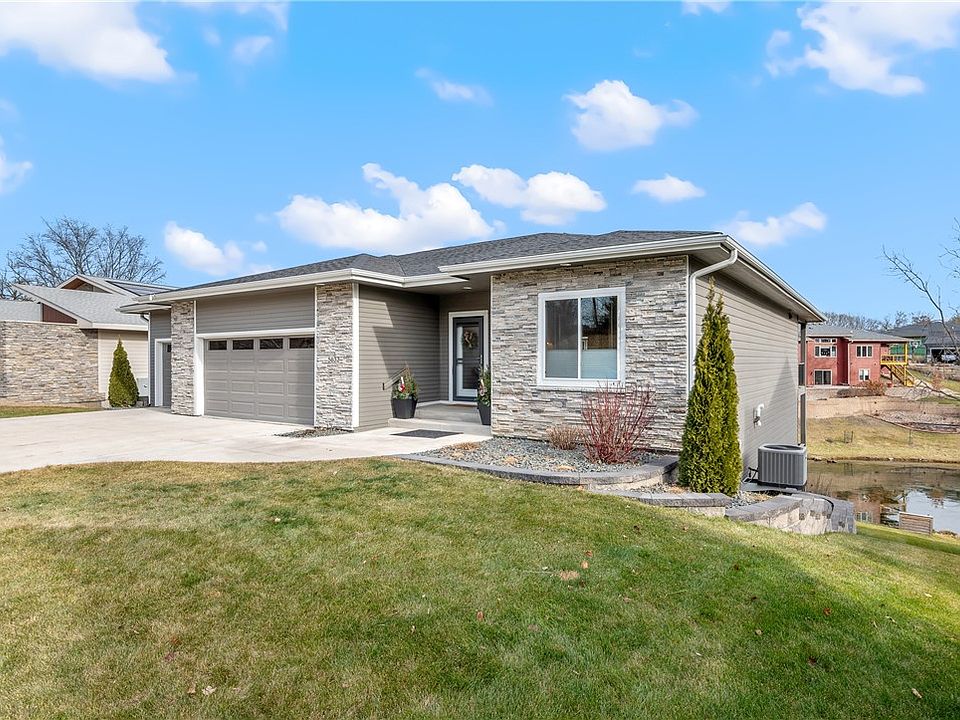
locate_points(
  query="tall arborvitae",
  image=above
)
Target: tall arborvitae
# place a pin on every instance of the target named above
(710, 458)
(123, 390)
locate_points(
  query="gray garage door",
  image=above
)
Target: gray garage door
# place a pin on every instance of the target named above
(264, 378)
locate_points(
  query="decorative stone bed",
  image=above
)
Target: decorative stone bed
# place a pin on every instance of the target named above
(651, 481)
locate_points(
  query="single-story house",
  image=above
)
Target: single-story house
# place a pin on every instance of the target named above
(57, 346)
(552, 315)
(838, 355)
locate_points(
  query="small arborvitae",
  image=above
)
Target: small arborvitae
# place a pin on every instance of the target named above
(710, 459)
(123, 390)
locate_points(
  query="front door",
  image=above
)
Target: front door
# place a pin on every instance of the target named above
(467, 356)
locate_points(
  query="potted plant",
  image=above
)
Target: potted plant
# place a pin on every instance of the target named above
(403, 399)
(483, 396)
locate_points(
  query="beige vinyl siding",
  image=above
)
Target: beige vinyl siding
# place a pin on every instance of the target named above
(159, 330)
(137, 347)
(764, 340)
(395, 328)
(244, 312)
(478, 300)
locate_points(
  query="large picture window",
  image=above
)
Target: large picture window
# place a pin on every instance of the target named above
(581, 337)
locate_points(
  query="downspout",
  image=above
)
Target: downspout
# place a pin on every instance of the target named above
(692, 309)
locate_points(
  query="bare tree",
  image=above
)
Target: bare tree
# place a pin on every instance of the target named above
(70, 247)
(904, 268)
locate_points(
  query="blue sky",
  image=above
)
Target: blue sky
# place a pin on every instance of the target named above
(239, 137)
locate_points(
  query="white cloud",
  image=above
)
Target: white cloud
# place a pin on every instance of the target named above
(102, 40)
(861, 44)
(211, 37)
(277, 11)
(693, 7)
(613, 118)
(669, 189)
(551, 198)
(249, 49)
(8, 111)
(195, 251)
(454, 92)
(776, 230)
(427, 218)
(11, 172)
(259, 246)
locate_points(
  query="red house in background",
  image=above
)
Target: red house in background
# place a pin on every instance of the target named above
(845, 356)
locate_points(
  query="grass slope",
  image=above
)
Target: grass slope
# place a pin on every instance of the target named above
(388, 589)
(12, 411)
(874, 439)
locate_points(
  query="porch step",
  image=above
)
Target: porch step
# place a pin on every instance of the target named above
(444, 425)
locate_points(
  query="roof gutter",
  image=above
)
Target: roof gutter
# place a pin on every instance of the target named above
(692, 308)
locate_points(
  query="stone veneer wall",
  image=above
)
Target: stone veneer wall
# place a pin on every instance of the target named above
(181, 360)
(49, 363)
(333, 381)
(656, 344)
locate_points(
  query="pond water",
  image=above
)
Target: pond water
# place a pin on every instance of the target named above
(876, 489)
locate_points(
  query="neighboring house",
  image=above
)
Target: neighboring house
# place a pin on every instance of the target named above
(553, 315)
(930, 341)
(837, 355)
(58, 346)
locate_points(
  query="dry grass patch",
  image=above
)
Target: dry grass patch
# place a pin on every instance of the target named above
(867, 438)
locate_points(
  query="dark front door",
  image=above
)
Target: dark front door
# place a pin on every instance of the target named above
(467, 356)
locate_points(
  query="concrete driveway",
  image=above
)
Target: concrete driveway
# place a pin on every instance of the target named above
(153, 434)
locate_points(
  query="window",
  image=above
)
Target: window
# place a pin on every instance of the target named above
(864, 516)
(301, 343)
(243, 344)
(822, 377)
(271, 343)
(864, 374)
(825, 351)
(217, 345)
(581, 337)
(864, 351)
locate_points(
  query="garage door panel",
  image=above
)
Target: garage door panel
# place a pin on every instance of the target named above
(268, 384)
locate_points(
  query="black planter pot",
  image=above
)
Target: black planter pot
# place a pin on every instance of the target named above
(484, 413)
(403, 408)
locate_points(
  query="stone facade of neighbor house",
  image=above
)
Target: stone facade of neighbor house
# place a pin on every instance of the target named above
(656, 344)
(181, 361)
(47, 363)
(333, 384)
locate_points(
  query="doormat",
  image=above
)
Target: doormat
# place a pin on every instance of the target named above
(433, 434)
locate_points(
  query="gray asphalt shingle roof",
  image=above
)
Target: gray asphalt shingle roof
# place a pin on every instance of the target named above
(97, 308)
(826, 330)
(19, 310)
(428, 262)
(933, 334)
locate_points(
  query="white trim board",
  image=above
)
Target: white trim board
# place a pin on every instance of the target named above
(355, 359)
(485, 314)
(157, 385)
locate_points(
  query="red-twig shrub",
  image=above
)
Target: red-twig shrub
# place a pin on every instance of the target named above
(616, 417)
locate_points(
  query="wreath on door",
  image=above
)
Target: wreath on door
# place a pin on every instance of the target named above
(469, 339)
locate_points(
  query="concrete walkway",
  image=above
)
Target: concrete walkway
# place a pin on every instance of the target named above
(154, 434)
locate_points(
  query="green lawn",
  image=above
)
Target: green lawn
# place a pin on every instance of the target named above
(388, 589)
(12, 411)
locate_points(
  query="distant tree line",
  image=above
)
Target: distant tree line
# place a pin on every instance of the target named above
(863, 322)
(68, 247)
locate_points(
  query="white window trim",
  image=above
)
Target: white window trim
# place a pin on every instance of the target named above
(572, 383)
(867, 351)
(821, 370)
(450, 347)
(860, 373)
